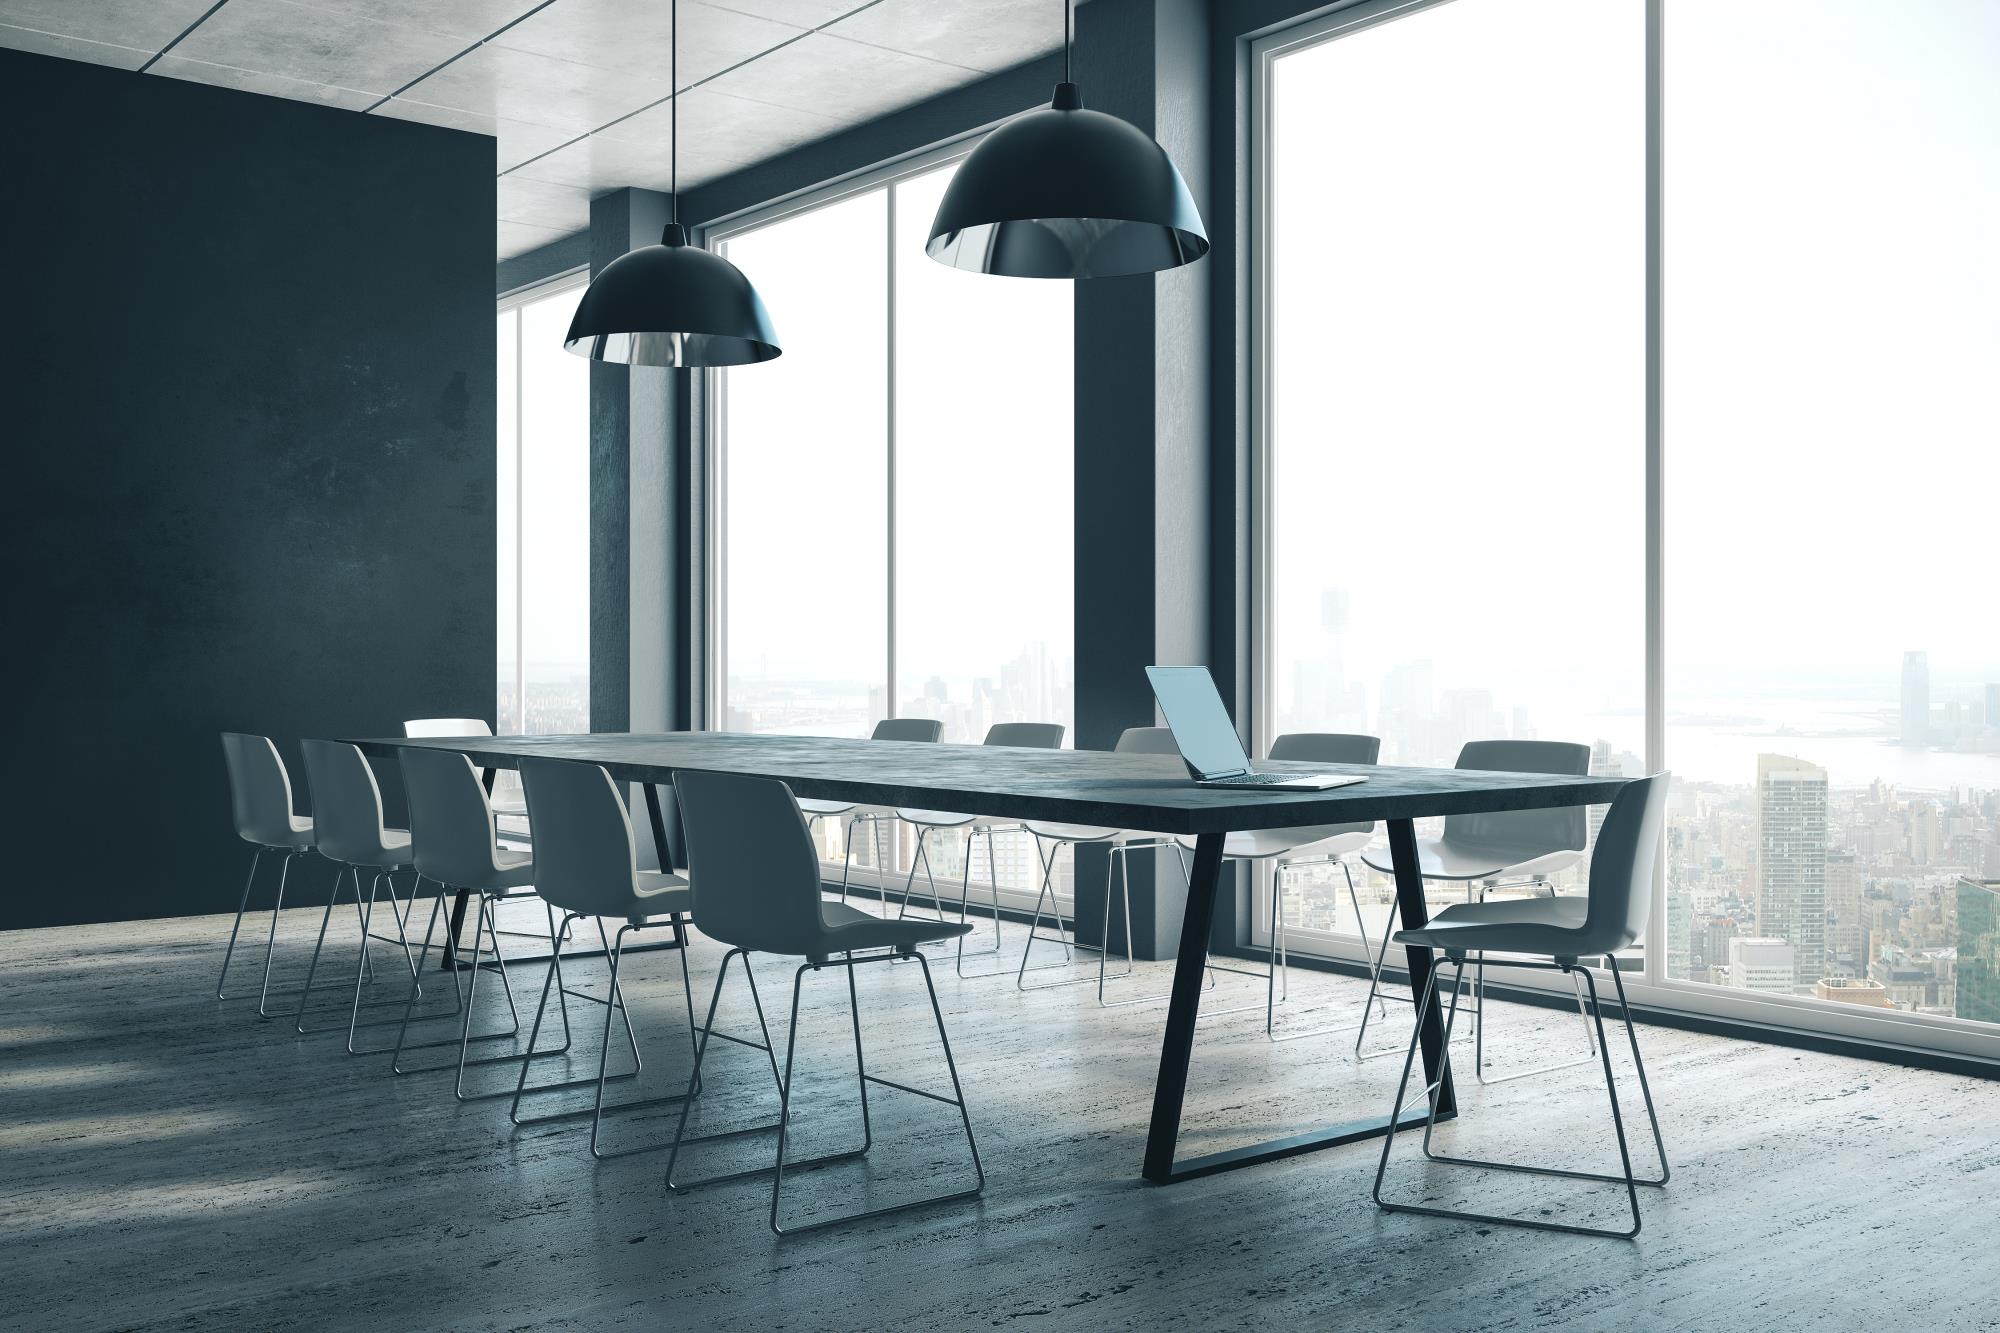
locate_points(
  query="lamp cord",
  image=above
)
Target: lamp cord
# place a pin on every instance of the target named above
(674, 90)
(1067, 41)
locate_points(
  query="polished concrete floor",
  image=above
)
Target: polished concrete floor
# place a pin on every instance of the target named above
(167, 1161)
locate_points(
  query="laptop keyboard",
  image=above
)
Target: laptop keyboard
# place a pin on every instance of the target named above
(1254, 780)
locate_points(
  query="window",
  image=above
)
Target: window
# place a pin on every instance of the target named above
(894, 491)
(1453, 270)
(1832, 318)
(1472, 262)
(544, 518)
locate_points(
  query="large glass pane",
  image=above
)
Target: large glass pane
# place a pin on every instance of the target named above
(804, 577)
(1455, 410)
(555, 520)
(984, 559)
(1832, 308)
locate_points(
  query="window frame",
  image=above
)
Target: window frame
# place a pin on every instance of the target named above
(1648, 985)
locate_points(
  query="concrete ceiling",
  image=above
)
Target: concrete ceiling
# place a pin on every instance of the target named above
(576, 92)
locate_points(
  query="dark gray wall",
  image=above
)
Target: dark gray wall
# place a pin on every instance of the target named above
(249, 350)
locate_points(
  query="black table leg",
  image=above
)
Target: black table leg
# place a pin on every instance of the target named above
(1185, 1007)
(659, 823)
(1414, 912)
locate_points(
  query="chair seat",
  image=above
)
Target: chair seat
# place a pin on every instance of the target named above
(851, 928)
(1075, 832)
(658, 893)
(511, 870)
(935, 818)
(299, 835)
(510, 810)
(1437, 859)
(825, 808)
(1543, 925)
(394, 853)
(1313, 839)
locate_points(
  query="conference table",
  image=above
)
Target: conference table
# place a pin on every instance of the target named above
(1130, 791)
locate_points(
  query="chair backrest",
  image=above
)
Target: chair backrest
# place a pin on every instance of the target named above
(752, 864)
(1146, 740)
(907, 729)
(1028, 735)
(347, 803)
(1330, 747)
(1536, 832)
(1327, 747)
(260, 791)
(584, 858)
(451, 821)
(446, 726)
(1621, 867)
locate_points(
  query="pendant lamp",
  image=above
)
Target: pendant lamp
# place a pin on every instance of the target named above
(1062, 192)
(672, 304)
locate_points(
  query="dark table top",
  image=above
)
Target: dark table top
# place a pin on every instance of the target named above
(1134, 791)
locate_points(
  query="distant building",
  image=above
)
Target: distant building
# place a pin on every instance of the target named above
(1846, 928)
(1760, 962)
(1916, 698)
(1853, 990)
(1978, 965)
(1791, 861)
(1993, 706)
(1680, 932)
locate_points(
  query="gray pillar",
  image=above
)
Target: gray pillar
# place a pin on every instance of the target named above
(641, 528)
(637, 531)
(1142, 435)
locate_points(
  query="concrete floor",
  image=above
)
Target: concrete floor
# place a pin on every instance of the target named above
(172, 1162)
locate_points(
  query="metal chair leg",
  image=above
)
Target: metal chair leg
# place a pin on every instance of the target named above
(681, 1135)
(956, 1099)
(1124, 851)
(271, 943)
(1279, 965)
(256, 860)
(1628, 1179)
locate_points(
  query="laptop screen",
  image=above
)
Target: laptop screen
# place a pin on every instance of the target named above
(1201, 725)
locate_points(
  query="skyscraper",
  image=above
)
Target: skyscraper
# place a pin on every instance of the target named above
(1979, 950)
(1791, 861)
(1993, 706)
(1916, 698)
(1846, 931)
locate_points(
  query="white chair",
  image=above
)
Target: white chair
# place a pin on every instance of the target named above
(260, 798)
(1507, 849)
(921, 730)
(349, 831)
(586, 865)
(420, 727)
(1290, 848)
(757, 889)
(1024, 735)
(1050, 838)
(1564, 931)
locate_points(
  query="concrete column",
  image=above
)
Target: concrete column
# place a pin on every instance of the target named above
(1142, 435)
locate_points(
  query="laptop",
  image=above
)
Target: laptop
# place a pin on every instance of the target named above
(1207, 738)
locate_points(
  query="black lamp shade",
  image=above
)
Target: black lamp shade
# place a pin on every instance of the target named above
(672, 304)
(1063, 192)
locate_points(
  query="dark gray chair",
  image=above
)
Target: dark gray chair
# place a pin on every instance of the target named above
(756, 889)
(349, 830)
(587, 865)
(1505, 849)
(260, 799)
(1564, 931)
